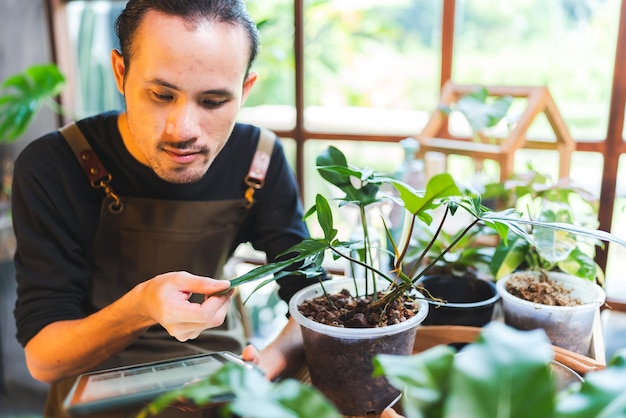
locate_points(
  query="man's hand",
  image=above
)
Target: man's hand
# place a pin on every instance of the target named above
(165, 300)
(283, 356)
(70, 347)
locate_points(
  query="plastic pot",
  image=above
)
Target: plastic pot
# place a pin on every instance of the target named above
(468, 300)
(569, 327)
(340, 359)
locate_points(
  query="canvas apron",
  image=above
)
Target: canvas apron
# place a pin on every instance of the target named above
(138, 239)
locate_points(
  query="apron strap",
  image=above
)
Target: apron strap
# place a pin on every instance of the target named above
(260, 162)
(98, 176)
(101, 178)
(88, 159)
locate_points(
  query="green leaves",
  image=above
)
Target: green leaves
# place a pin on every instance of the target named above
(325, 218)
(423, 378)
(305, 252)
(310, 252)
(601, 395)
(23, 95)
(438, 187)
(550, 244)
(248, 393)
(359, 185)
(479, 112)
(505, 373)
(508, 257)
(522, 240)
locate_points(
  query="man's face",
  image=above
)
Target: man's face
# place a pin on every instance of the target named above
(182, 91)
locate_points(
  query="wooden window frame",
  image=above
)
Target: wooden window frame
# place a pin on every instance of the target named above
(611, 148)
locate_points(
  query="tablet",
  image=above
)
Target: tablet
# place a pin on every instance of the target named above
(133, 385)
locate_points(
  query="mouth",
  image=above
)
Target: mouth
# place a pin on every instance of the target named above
(184, 156)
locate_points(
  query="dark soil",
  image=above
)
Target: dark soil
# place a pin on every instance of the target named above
(537, 287)
(346, 311)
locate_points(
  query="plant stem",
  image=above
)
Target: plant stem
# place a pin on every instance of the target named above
(328, 299)
(367, 250)
(407, 243)
(448, 248)
(418, 262)
(399, 290)
(360, 263)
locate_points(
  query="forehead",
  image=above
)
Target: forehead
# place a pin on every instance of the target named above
(165, 41)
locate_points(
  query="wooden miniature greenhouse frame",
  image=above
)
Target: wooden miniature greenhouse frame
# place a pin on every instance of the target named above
(436, 138)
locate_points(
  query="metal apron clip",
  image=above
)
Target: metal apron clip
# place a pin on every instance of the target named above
(260, 163)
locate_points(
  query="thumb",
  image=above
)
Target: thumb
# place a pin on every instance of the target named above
(203, 285)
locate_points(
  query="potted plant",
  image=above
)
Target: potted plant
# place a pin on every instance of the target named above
(563, 305)
(505, 372)
(562, 201)
(553, 284)
(22, 95)
(481, 111)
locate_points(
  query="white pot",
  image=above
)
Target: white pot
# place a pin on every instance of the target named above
(569, 327)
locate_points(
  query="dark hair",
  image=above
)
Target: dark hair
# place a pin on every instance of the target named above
(233, 12)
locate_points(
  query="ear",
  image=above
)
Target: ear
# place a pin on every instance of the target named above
(247, 86)
(119, 69)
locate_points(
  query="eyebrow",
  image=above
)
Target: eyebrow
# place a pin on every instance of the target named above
(163, 83)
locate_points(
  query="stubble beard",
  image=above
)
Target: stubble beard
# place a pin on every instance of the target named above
(180, 174)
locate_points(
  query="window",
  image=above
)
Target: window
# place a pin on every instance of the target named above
(370, 71)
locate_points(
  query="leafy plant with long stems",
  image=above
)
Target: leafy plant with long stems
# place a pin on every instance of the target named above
(547, 201)
(361, 187)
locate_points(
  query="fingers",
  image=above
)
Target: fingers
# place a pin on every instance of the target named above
(390, 413)
(250, 354)
(190, 283)
(168, 296)
(193, 318)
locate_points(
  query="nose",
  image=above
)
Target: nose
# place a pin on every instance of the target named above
(183, 122)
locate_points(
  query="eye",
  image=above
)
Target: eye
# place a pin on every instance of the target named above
(162, 97)
(212, 104)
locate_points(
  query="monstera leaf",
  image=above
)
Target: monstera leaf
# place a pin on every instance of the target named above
(24, 94)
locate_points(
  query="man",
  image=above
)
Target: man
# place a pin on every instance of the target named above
(117, 259)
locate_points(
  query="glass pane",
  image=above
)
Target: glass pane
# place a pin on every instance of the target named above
(271, 102)
(92, 37)
(568, 46)
(371, 66)
(615, 283)
(289, 146)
